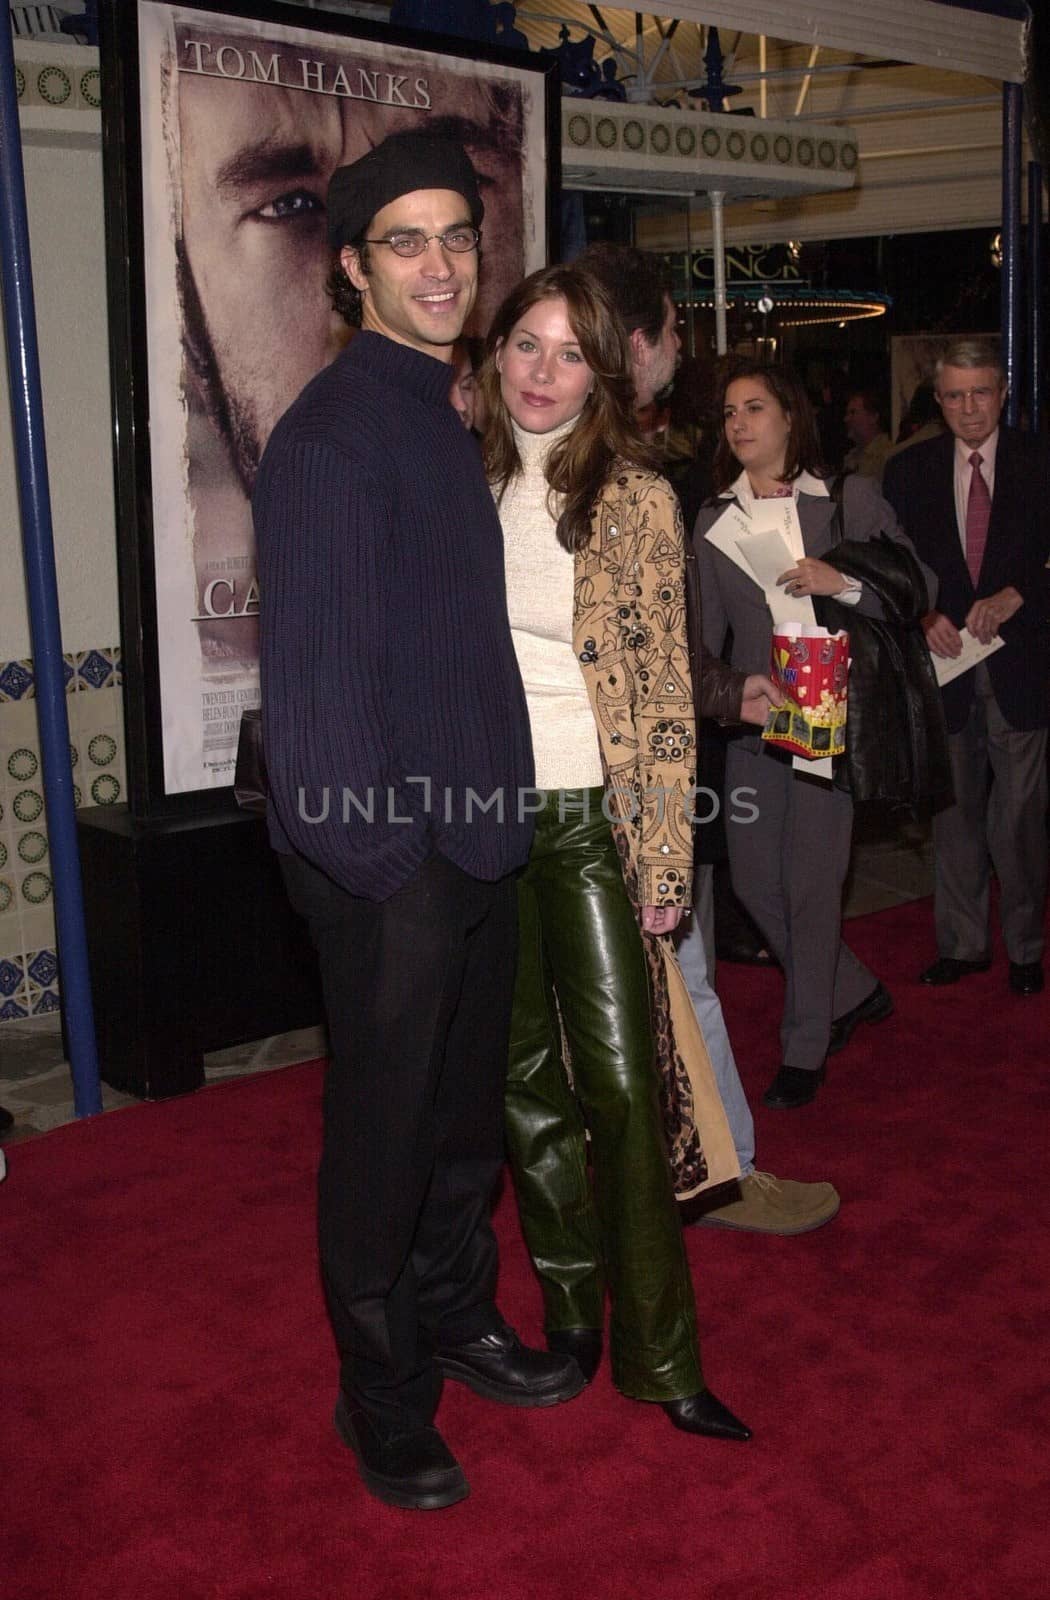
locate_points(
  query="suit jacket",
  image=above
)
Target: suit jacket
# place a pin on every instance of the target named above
(920, 485)
(730, 599)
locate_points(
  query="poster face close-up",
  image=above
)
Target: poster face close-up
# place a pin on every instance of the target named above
(242, 122)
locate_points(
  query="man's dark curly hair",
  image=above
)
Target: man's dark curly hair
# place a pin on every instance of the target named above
(344, 297)
(635, 281)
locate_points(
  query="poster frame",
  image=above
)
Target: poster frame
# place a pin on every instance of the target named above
(127, 296)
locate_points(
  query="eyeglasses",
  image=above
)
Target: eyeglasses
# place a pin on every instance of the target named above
(954, 398)
(413, 241)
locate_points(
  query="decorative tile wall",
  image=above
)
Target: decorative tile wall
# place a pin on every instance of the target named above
(50, 83)
(28, 964)
(716, 136)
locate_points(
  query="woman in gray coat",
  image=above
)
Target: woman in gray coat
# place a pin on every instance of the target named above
(789, 862)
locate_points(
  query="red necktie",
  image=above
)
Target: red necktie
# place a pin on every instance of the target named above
(978, 511)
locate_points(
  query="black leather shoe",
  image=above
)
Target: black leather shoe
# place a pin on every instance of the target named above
(584, 1345)
(793, 1086)
(7, 1120)
(738, 953)
(1026, 977)
(703, 1413)
(416, 1471)
(498, 1366)
(947, 970)
(876, 1008)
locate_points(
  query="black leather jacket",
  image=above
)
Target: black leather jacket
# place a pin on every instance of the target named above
(896, 740)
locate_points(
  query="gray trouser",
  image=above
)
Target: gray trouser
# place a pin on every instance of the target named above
(1001, 827)
(789, 866)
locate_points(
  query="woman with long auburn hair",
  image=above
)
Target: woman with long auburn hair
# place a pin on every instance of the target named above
(595, 563)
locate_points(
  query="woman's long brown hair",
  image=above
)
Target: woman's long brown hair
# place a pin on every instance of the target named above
(581, 464)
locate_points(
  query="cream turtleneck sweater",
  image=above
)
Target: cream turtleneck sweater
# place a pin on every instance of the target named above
(540, 574)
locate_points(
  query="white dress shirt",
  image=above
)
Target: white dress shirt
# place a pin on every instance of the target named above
(805, 483)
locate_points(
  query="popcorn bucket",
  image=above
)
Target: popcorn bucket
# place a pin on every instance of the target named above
(810, 665)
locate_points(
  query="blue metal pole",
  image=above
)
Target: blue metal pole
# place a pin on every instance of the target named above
(1035, 295)
(23, 365)
(1010, 321)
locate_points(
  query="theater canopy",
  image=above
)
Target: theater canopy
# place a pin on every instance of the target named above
(980, 36)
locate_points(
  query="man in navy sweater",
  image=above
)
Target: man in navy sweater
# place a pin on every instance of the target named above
(398, 753)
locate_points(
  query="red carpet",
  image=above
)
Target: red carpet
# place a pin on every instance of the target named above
(168, 1380)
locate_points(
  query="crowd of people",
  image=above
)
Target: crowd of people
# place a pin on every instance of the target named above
(487, 639)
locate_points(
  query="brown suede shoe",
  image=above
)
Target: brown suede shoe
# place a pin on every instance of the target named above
(761, 1203)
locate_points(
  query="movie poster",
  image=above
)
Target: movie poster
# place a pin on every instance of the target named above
(242, 123)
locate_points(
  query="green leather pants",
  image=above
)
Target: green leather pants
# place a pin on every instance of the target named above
(617, 1227)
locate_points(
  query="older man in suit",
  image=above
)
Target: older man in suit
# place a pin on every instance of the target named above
(976, 503)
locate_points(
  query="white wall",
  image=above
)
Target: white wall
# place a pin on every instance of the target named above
(64, 194)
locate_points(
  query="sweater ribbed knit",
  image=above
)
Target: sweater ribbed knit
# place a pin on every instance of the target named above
(540, 584)
(385, 649)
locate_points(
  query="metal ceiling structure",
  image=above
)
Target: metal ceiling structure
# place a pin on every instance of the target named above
(921, 81)
(986, 37)
(929, 139)
(919, 32)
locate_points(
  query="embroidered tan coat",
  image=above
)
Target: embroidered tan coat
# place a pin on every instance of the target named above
(629, 634)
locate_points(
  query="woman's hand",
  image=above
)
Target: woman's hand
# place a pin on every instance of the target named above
(760, 693)
(660, 919)
(811, 576)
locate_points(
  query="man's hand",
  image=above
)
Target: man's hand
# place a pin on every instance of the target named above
(942, 636)
(760, 693)
(660, 919)
(985, 617)
(811, 576)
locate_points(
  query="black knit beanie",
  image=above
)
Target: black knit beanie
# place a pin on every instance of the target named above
(401, 164)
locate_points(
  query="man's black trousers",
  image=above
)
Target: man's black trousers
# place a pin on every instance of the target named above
(417, 992)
